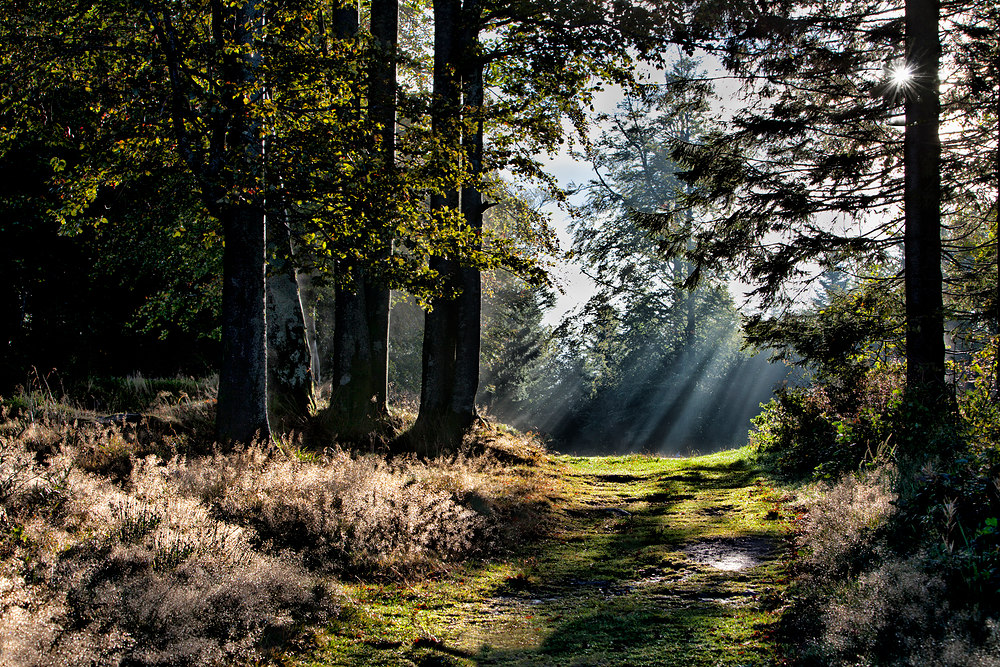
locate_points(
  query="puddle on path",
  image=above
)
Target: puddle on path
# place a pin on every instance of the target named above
(730, 553)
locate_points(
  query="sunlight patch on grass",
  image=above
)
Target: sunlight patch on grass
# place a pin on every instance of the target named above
(615, 582)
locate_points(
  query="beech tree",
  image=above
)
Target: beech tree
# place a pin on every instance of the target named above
(450, 374)
(219, 135)
(361, 323)
(289, 363)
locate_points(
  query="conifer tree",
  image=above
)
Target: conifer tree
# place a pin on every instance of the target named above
(812, 169)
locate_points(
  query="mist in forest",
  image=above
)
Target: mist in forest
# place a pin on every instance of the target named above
(613, 385)
(697, 404)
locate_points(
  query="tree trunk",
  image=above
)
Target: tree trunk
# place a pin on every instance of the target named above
(358, 398)
(307, 303)
(996, 208)
(382, 107)
(469, 305)
(288, 375)
(242, 404)
(434, 429)
(925, 350)
(353, 395)
(438, 363)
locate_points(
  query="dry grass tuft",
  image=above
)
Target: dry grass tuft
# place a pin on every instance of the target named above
(505, 444)
(132, 542)
(866, 604)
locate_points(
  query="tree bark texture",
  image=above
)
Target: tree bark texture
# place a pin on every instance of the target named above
(469, 305)
(307, 303)
(382, 107)
(242, 406)
(360, 365)
(353, 393)
(996, 209)
(440, 323)
(925, 351)
(438, 359)
(288, 360)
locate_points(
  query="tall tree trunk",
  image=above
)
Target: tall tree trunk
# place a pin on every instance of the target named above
(925, 350)
(288, 364)
(440, 326)
(242, 403)
(359, 370)
(382, 107)
(438, 359)
(995, 15)
(469, 304)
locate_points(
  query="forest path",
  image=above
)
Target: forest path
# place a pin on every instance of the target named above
(653, 562)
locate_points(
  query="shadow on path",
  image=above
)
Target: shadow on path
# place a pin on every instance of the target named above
(656, 562)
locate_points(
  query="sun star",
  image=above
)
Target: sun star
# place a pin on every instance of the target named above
(901, 75)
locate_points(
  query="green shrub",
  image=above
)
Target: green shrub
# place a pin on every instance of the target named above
(897, 568)
(808, 431)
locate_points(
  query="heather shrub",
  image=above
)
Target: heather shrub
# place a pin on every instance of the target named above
(881, 583)
(134, 572)
(27, 486)
(133, 541)
(845, 523)
(348, 513)
(203, 608)
(900, 612)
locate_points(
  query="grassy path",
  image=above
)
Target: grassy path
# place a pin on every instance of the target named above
(653, 562)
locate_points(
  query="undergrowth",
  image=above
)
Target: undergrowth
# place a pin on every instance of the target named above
(137, 541)
(899, 548)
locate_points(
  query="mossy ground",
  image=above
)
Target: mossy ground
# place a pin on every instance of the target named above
(633, 572)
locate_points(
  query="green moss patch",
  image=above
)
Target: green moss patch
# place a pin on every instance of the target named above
(649, 561)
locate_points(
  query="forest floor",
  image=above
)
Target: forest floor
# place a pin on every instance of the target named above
(648, 561)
